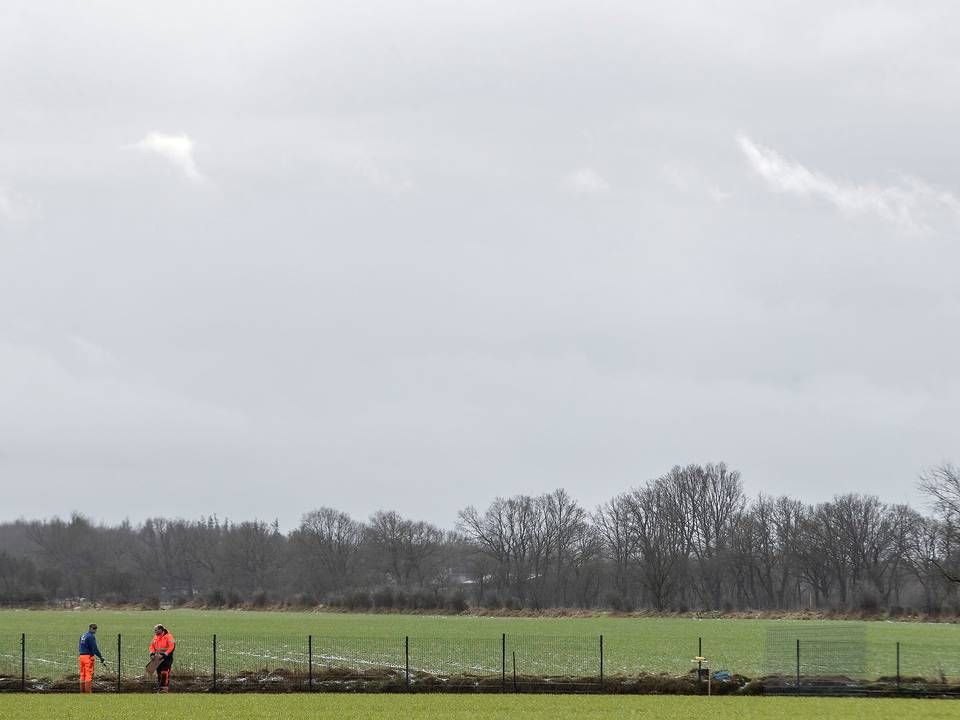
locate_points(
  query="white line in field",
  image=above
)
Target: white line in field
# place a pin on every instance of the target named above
(296, 660)
(351, 660)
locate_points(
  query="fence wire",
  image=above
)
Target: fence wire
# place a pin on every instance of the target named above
(920, 663)
(817, 652)
(260, 663)
(831, 657)
(9, 656)
(51, 658)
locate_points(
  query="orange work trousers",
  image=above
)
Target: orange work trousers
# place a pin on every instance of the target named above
(86, 673)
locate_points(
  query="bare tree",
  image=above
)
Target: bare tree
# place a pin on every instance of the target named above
(163, 553)
(688, 537)
(251, 555)
(715, 497)
(819, 559)
(942, 485)
(612, 523)
(662, 539)
(765, 543)
(330, 542)
(925, 545)
(405, 549)
(71, 546)
(489, 532)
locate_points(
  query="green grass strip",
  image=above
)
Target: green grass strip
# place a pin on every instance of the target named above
(528, 707)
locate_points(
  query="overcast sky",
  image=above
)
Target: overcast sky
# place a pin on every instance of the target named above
(259, 257)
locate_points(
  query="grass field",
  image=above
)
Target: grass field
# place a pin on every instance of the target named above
(455, 707)
(544, 645)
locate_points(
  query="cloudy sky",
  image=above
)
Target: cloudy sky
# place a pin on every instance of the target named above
(258, 257)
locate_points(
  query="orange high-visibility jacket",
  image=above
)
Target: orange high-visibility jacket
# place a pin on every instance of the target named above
(163, 643)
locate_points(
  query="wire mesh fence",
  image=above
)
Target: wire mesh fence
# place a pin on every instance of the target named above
(921, 665)
(459, 665)
(828, 659)
(50, 658)
(836, 652)
(568, 663)
(10, 657)
(279, 662)
(838, 659)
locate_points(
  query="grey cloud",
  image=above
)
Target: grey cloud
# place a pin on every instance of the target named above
(585, 181)
(7, 211)
(15, 209)
(387, 295)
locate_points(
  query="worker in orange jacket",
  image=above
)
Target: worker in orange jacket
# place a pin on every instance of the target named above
(163, 644)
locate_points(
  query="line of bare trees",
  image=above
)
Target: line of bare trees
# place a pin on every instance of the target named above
(689, 539)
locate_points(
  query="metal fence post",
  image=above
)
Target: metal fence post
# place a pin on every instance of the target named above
(798, 664)
(406, 660)
(898, 666)
(601, 663)
(119, 659)
(214, 662)
(23, 661)
(503, 662)
(515, 671)
(310, 661)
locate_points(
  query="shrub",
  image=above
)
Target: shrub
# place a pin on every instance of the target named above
(616, 601)
(422, 600)
(335, 600)
(150, 602)
(383, 598)
(358, 600)
(868, 602)
(491, 601)
(457, 602)
(301, 600)
(22, 597)
(259, 600)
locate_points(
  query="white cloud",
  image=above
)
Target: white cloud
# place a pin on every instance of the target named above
(6, 205)
(94, 355)
(13, 208)
(177, 149)
(376, 164)
(382, 179)
(585, 181)
(908, 205)
(688, 179)
(719, 195)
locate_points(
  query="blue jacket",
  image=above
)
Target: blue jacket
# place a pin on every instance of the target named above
(88, 645)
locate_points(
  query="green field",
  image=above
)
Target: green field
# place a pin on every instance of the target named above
(529, 707)
(454, 643)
